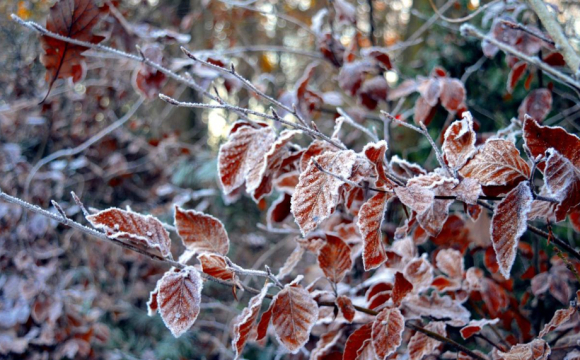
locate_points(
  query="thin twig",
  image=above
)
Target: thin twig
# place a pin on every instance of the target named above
(521, 27)
(354, 124)
(463, 19)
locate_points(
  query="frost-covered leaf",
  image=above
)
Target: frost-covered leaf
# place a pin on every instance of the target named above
(418, 198)
(279, 210)
(153, 304)
(260, 184)
(459, 142)
(356, 341)
(401, 288)
(420, 273)
(452, 94)
(516, 73)
(537, 104)
(246, 321)
(560, 317)
(370, 219)
(262, 329)
(346, 308)
(179, 299)
(316, 194)
(291, 262)
(508, 223)
(294, 313)
(538, 349)
(443, 308)
(498, 162)
(475, 327)
(287, 182)
(540, 138)
(422, 345)
(216, 266)
(147, 80)
(325, 344)
(423, 111)
(201, 232)
(562, 181)
(430, 90)
(387, 332)
(317, 147)
(375, 153)
(137, 228)
(243, 155)
(450, 262)
(334, 258)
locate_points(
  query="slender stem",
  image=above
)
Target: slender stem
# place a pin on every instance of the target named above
(465, 18)
(354, 124)
(521, 27)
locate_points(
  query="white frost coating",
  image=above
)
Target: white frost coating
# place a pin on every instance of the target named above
(417, 198)
(316, 194)
(201, 232)
(508, 223)
(559, 174)
(456, 150)
(477, 323)
(152, 303)
(179, 299)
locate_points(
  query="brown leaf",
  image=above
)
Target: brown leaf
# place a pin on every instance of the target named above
(420, 273)
(262, 329)
(137, 228)
(423, 111)
(317, 147)
(430, 90)
(443, 308)
(324, 344)
(452, 94)
(356, 341)
(536, 350)
(508, 223)
(540, 138)
(246, 321)
(560, 317)
(316, 194)
(179, 299)
(334, 258)
(422, 345)
(562, 181)
(375, 153)
(280, 209)
(346, 308)
(294, 315)
(291, 262)
(459, 142)
(387, 332)
(450, 262)
(243, 155)
(498, 162)
(418, 198)
(537, 104)
(216, 266)
(401, 288)
(201, 232)
(370, 219)
(515, 75)
(148, 80)
(475, 327)
(74, 19)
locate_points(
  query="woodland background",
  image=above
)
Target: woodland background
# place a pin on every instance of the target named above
(63, 295)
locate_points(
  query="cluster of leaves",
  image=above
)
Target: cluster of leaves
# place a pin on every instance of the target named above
(394, 286)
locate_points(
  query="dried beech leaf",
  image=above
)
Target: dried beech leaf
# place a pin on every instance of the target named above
(201, 232)
(334, 258)
(430, 90)
(422, 345)
(418, 198)
(375, 153)
(370, 219)
(475, 327)
(401, 288)
(459, 142)
(153, 304)
(537, 104)
(246, 321)
(346, 308)
(536, 350)
(216, 266)
(515, 75)
(294, 313)
(262, 329)
(146, 79)
(540, 138)
(356, 341)
(74, 19)
(498, 162)
(423, 112)
(562, 180)
(452, 94)
(560, 317)
(450, 262)
(287, 182)
(179, 299)
(317, 147)
(316, 194)
(243, 155)
(279, 210)
(324, 344)
(443, 308)
(291, 262)
(137, 228)
(508, 223)
(387, 332)
(420, 273)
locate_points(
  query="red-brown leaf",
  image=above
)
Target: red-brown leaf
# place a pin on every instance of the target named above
(346, 308)
(540, 138)
(459, 142)
(452, 94)
(280, 209)
(420, 273)
(562, 180)
(201, 232)
(356, 341)
(137, 228)
(498, 162)
(262, 329)
(515, 75)
(387, 332)
(537, 104)
(418, 198)
(560, 317)
(325, 344)
(450, 262)
(75, 19)
(316, 194)
(370, 219)
(179, 299)
(291, 262)
(401, 288)
(334, 258)
(475, 327)
(294, 315)
(508, 223)
(246, 321)
(243, 155)
(148, 80)
(422, 345)
(536, 350)
(216, 266)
